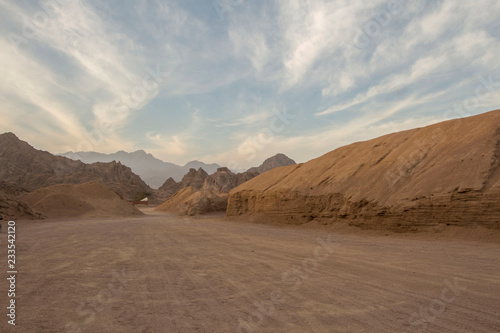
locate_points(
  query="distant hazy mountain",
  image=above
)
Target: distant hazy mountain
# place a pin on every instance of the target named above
(152, 170)
(209, 168)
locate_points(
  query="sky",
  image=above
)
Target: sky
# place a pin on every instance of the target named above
(236, 81)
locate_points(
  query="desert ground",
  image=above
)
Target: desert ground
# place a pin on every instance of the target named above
(165, 273)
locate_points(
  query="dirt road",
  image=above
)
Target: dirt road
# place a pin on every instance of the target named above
(170, 274)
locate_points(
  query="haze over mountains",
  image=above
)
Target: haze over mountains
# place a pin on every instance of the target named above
(24, 169)
(151, 169)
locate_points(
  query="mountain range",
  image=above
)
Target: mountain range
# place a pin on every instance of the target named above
(24, 169)
(200, 193)
(151, 169)
(31, 169)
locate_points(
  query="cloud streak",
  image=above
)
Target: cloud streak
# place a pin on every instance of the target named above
(347, 70)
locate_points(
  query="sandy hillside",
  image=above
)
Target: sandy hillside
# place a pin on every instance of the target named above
(445, 173)
(90, 200)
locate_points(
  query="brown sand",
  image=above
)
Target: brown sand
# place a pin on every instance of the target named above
(445, 173)
(90, 199)
(164, 273)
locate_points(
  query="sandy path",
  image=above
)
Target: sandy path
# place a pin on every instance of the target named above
(169, 274)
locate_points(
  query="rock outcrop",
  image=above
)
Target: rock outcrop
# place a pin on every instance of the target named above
(188, 201)
(211, 196)
(224, 180)
(194, 178)
(11, 207)
(27, 167)
(169, 187)
(447, 173)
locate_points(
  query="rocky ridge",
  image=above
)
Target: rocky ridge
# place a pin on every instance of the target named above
(29, 168)
(151, 169)
(211, 194)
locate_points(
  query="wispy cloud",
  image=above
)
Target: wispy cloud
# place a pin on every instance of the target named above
(87, 77)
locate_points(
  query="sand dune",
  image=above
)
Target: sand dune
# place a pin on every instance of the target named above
(85, 200)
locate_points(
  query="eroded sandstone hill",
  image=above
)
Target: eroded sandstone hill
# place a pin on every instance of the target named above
(29, 168)
(445, 173)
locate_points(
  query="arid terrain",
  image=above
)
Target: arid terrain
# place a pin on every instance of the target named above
(165, 273)
(396, 234)
(319, 166)
(446, 173)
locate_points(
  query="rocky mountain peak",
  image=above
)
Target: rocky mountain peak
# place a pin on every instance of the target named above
(194, 178)
(275, 161)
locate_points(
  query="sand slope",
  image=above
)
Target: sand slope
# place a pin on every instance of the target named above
(444, 173)
(85, 200)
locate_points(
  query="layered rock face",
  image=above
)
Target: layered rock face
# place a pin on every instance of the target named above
(27, 167)
(445, 173)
